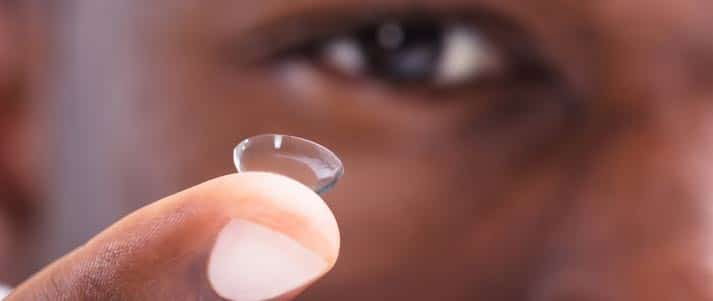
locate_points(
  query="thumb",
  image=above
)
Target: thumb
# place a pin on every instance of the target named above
(250, 236)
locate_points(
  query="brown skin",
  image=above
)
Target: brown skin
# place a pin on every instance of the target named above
(161, 250)
(588, 182)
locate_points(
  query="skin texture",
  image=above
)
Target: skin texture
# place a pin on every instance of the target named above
(586, 178)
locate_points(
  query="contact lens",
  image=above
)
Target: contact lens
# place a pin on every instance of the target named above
(298, 158)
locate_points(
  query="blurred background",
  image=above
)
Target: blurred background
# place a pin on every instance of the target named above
(501, 150)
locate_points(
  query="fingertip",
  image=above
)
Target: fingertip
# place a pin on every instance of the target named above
(283, 238)
(249, 236)
(279, 203)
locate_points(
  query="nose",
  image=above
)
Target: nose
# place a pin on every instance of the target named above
(641, 226)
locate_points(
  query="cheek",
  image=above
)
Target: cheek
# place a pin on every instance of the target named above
(639, 227)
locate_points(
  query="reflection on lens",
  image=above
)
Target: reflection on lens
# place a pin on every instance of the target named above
(305, 161)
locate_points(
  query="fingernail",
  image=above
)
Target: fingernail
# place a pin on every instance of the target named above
(251, 262)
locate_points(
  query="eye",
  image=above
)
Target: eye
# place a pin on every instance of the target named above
(416, 52)
(410, 72)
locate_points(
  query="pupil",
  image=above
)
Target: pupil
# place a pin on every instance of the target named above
(405, 51)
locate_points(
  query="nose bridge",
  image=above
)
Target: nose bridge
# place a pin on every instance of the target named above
(639, 229)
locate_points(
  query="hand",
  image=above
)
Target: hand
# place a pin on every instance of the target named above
(250, 236)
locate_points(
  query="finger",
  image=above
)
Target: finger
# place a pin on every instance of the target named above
(252, 236)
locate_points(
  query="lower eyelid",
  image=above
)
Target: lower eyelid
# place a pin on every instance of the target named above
(307, 82)
(495, 114)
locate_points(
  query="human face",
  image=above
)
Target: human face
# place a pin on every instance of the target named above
(569, 159)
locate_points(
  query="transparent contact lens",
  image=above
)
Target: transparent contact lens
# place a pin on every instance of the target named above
(305, 161)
